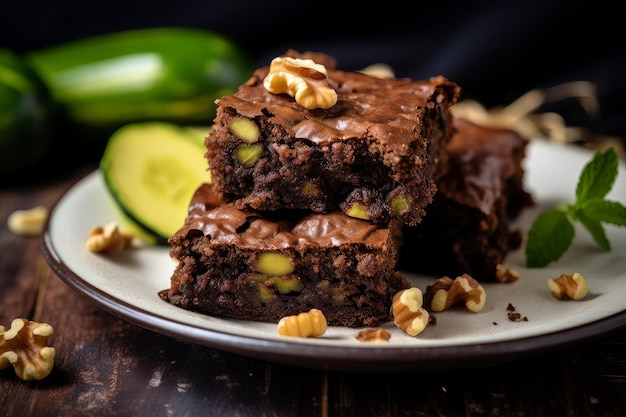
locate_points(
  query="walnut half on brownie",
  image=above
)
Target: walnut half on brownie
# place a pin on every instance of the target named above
(301, 134)
(258, 266)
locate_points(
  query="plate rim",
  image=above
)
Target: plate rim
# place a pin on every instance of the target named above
(335, 358)
(343, 358)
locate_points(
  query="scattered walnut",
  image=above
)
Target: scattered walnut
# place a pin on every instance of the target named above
(505, 274)
(379, 70)
(408, 313)
(308, 324)
(108, 239)
(447, 292)
(28, 222)
(373, 335)
(573, 286)
(24, 346)
(302, 79)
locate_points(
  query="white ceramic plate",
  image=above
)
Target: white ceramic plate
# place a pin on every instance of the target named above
(126, 284)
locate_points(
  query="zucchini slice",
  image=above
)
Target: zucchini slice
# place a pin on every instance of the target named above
(151, 170)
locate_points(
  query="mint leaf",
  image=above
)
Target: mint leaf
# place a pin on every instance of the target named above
(594, 227)
(552, 231)
(597, 176)
(548, 238)
(601, 210)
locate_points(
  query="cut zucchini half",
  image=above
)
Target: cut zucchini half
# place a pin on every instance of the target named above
(151, 171)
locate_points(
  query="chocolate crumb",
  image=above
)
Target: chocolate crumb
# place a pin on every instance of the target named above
(514, 315)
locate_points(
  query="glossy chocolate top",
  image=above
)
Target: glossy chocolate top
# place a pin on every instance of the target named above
(249, 229)
(386, 110)
(481, 160)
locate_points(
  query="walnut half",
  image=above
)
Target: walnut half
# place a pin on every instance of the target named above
(307, 324)
(568, 286)
(408, 314)
(373, 335)
(302, 79)
(24, 346)
(447, 292)
(28, 222)
(108, 239)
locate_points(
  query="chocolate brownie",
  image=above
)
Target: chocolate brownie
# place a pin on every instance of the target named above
(468, 226)
(245, 264)
(375, 154)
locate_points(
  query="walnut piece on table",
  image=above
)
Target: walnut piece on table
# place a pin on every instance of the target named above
(24, 346)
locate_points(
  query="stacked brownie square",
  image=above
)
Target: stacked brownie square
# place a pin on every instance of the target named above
(468, 229)
(315, 172)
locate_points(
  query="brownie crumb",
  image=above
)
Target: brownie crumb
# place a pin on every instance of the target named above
(513, 315)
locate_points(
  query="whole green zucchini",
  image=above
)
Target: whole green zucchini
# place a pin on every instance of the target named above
(25, 116)
(166, 74)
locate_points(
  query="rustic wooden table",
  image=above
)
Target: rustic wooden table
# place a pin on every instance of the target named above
(105, 366)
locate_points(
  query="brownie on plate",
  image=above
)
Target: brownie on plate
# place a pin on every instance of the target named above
(333, 140)
(468, 227)
(249, 265)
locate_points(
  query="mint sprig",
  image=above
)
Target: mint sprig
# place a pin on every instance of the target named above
(552, 232)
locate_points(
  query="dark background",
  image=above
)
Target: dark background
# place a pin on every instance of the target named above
(496, 51)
